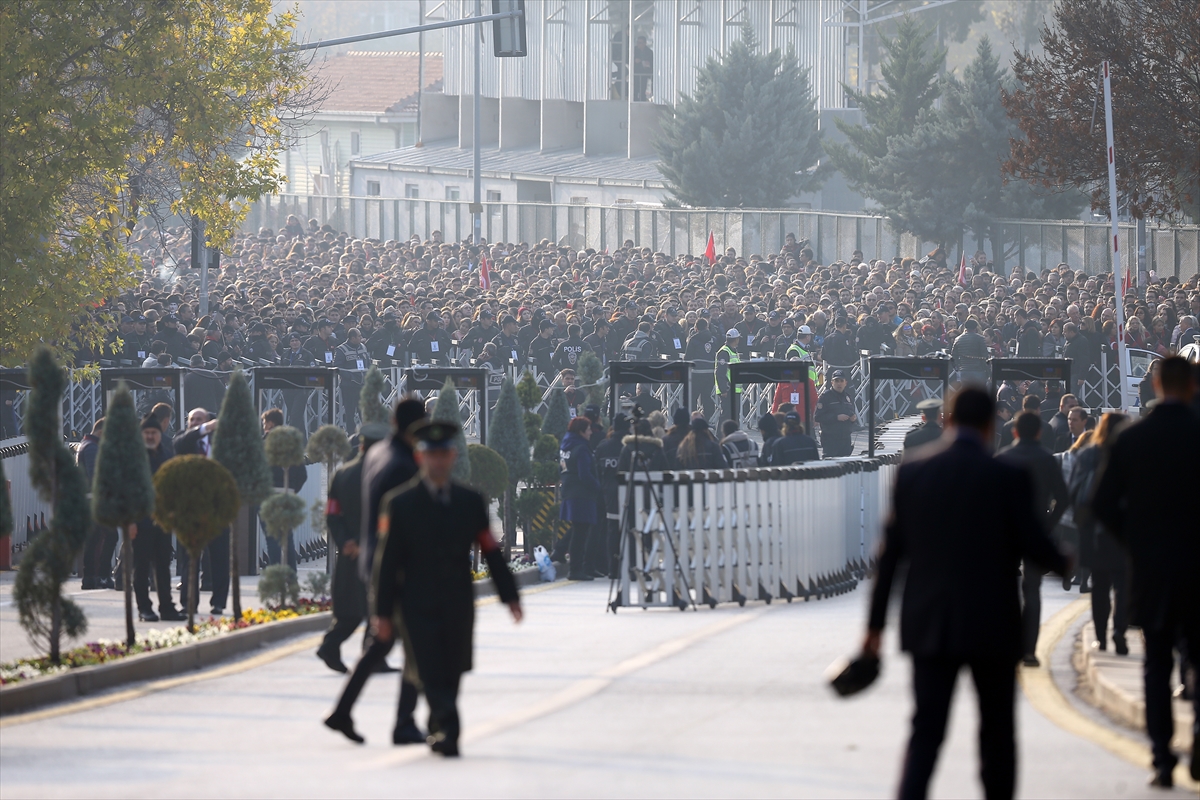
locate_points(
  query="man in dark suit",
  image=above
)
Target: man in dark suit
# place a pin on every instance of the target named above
(1050, 499)
(386, 465)
(1157, 523)
(197, 441)
(957, 512)
(421, 587)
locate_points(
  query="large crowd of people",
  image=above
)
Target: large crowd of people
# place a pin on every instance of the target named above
(307, 294)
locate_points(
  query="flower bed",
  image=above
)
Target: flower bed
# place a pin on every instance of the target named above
(521, 562)
(106, 650)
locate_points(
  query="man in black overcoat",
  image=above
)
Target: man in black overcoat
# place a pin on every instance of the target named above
(422, 584)
(1158, 523)
(962, 521)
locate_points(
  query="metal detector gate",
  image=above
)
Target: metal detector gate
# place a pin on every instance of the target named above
(748, 373)
(472, 380)
(674, 377)
(1030, 369)
(149, 386)
(898, 368)
(304, 394)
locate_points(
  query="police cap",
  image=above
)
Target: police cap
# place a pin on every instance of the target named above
(434, 434)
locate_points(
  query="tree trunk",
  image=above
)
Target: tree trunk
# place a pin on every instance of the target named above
(127, 584)
(193, 579)
(56, 630)
(234, 578)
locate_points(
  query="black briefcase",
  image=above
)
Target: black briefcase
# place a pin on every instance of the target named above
(849, 677)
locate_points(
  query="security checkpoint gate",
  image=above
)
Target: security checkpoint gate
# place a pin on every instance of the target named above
(759, 534)
(672, 379)
(305, 394)
(1031, 369)
(759, 373)
(149, 386)
(470, 380)
(899, 368)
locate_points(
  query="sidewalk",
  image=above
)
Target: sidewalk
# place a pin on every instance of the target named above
(105, 610)
(1113, 684)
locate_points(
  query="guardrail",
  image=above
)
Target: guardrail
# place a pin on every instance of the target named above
(774, 533)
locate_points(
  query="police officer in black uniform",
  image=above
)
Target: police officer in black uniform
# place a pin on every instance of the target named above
(837, 417)
(701, 350)
(421, 586)
(930, 429)
(343, 520)
(606, 456)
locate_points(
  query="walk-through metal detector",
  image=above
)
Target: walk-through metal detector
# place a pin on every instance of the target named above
(149, 385)
(900, 368)
(466, 379)
(296, 384)
(744, 373)
(675, 372)
(1030, 369)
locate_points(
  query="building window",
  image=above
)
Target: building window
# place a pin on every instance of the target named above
(493, 197)
(355, 143)
(372, 188)
(452, 193)
(412, 190)
(579, 201)
(624, 201)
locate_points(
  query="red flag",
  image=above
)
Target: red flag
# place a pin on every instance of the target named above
(710, 252)
(962, 270)
(485, 273)
(1127, 282)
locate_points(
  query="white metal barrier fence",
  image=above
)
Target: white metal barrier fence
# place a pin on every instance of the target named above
(722, 536)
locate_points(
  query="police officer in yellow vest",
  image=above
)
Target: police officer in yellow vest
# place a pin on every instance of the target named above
(727, 355)
(799, 349)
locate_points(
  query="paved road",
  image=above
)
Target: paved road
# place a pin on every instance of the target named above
(573, 703)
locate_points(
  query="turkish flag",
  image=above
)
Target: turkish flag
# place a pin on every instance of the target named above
(710, 252)
(962, 270)
(485, 273)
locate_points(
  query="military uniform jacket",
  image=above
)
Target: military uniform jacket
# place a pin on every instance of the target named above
(343, 509)
(423, 571)
(924, 433)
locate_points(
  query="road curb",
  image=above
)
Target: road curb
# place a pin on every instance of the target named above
(529, 577)
(1107, 695)
(84, 681)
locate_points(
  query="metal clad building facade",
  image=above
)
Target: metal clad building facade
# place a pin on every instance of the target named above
(579, 49)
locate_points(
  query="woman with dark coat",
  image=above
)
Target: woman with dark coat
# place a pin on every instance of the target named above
(699, 449)
(579, 489)
(1109, 564)
(768, 426)
(675, 436)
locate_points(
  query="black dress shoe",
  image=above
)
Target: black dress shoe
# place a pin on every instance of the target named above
(108, 583)
(408, 733)
(1120, 645)
(1162, 779)
(385, 667)
(580, 578)
(1031, 661)
(217, 612)
(332, 660)
(172, 615)
(447, 748)
(89, 583)
(147, 616)
(345, 726)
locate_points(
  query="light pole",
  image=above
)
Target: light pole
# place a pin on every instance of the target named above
(477, 206)
(1118, 287)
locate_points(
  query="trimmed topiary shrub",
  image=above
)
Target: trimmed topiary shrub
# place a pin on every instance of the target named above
(122, 490)
(558, 414)
(194, 497)
(489, 473)
(277, 585)
(446, 409)
(370, 399)
(528, 391)
(506, 435)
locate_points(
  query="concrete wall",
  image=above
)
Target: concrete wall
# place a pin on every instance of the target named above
(645, 122)
(489, 118)
(604, 127)
(562, 125)
(520, 123)
(439, 116)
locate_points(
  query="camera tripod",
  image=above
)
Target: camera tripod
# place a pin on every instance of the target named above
(629, 531)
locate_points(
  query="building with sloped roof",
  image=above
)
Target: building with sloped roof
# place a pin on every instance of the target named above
(367, 105)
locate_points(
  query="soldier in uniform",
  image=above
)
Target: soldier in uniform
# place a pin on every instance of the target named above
(421, 586)
(837, 417)
(930, 429)
(343, 519)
